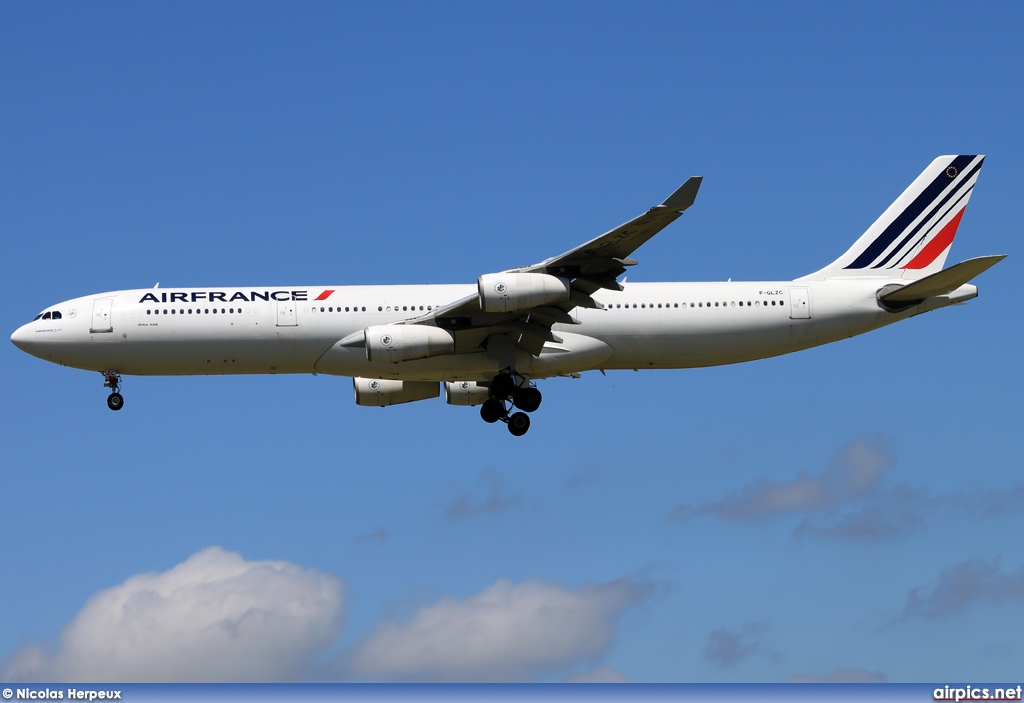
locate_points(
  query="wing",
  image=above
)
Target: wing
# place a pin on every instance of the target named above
(588, 268)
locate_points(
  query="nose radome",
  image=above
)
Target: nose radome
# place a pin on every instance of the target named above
(20, 338)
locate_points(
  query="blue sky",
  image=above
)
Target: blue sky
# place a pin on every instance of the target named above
(332, 143)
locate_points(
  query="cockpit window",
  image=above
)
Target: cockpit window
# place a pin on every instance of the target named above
(37, 317)
(56, 315)
(46, 316)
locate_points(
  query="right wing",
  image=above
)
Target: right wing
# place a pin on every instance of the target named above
(588, 268)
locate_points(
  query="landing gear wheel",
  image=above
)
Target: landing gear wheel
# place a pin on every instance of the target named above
(502, 386)
(492, 410)
(526, 399)
(518, 424)
(115, 401)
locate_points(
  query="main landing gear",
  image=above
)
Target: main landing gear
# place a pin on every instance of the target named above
(508, 390)
(115, 401)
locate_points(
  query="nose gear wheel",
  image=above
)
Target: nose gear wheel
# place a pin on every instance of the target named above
(111, 380)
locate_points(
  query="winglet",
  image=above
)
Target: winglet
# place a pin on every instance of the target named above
(684, 195)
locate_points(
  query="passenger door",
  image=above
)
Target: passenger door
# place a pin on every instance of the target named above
(800, 304)
(101, 320)
(286, 314)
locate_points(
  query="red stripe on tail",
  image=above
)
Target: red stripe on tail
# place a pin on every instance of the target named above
(938, 245)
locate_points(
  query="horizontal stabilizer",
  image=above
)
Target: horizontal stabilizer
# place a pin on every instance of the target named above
(943, 282)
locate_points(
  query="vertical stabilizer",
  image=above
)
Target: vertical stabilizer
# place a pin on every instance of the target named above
(911, 239)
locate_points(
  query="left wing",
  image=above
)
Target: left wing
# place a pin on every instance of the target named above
(582, 271)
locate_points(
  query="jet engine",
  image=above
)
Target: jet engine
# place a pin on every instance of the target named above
(380, 393)
(465, 393)
(509, 292)
(395, 343)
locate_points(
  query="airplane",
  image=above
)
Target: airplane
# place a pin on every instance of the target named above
(488, 344)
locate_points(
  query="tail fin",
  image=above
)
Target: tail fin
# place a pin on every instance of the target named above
(912, 237)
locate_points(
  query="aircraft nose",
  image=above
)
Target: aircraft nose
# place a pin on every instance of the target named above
(25, 339)
(20, 338)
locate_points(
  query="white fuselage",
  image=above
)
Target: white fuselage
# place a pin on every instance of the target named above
(185, 331)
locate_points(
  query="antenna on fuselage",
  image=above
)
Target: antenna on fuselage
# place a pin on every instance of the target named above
(157, 284)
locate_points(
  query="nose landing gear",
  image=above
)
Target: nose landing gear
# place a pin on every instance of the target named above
(508, 390)
(115, 401)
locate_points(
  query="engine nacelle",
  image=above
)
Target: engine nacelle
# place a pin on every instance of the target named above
(508, 292)
(465, 393)
(380, 393)
(395, 343)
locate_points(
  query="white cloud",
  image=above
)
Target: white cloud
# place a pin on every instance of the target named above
(843, 676)
(967, 583)
(848, 501)
(602, 674)
(507, 632)
(215, 617)
(853, 473)
(496, 499)
(727, 647)
(378, 535)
